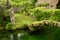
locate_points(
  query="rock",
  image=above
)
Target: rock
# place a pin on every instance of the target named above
(52, 3)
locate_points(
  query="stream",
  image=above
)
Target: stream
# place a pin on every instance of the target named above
(21, 35)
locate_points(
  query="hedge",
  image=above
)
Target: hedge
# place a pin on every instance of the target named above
(46, 14)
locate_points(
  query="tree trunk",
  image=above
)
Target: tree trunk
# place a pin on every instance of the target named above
(12, 16)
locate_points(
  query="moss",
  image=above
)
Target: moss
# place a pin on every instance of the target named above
(22, 19)
(45, 24)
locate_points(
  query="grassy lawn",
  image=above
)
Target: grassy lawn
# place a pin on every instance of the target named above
(22, 19)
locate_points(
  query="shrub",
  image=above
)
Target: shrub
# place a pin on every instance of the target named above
(43, 5)
(37, 12)
(46, 14)
(55, 15)
(9, 26)
(4, 17)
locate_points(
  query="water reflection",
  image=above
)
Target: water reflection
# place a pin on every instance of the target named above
(11, 37)
(17, 35)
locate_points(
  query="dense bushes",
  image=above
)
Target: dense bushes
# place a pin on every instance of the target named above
(4, 17)
(46, 14)
(28, 8)
(25, 6)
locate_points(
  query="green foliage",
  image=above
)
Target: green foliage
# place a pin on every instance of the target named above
(26, 6)
(58, 5)
(43, 5)
(33, 1)
(17, 1)
(46, 14)
(22, 7)
(4, 14)
(4, 17)
(9, 26)
(2, 2)
(30, 10)
(20, 3)
(55, 15)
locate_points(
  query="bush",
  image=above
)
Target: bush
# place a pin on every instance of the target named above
(46, 14)
(56, 15)
(4, 17)
(43, 5)
(9, 26)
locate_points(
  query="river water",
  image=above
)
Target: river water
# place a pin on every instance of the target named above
(53, 34)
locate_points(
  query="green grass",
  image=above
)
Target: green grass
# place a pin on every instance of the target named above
(22, 19)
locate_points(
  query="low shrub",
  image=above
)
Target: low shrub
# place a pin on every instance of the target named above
(46, 14)
(9, 26)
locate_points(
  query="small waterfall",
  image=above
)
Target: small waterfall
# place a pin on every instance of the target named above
(11, 37)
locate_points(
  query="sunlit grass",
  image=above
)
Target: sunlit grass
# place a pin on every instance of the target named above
(22, 19)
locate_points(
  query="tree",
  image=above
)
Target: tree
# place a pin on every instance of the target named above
(11, 12)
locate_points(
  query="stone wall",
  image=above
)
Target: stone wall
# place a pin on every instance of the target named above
(52, 3)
